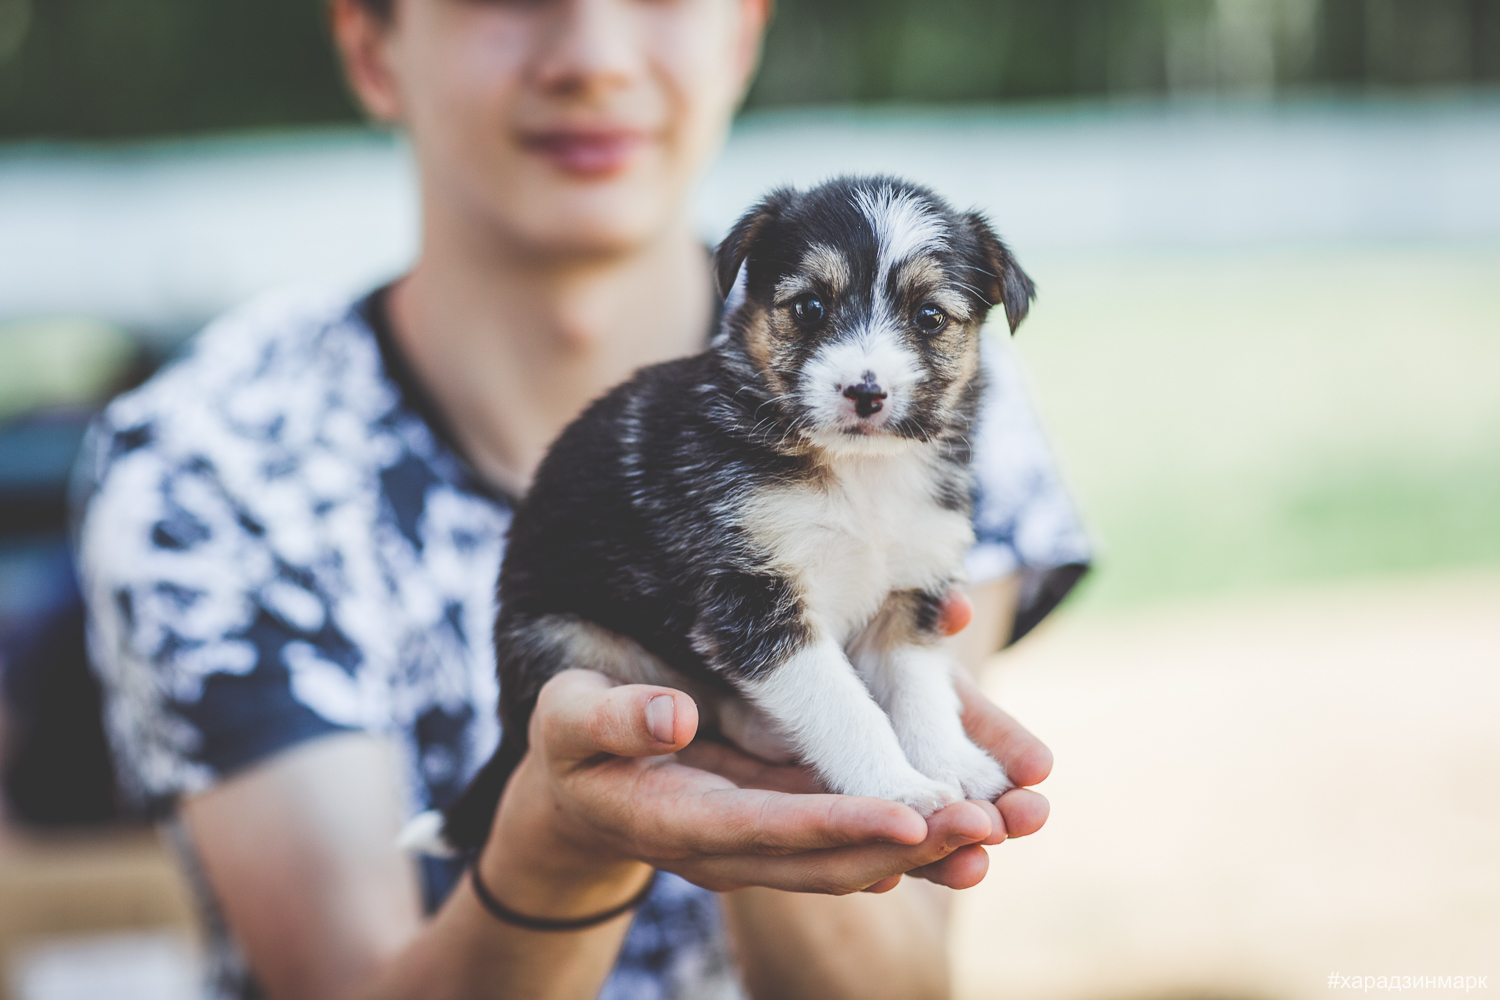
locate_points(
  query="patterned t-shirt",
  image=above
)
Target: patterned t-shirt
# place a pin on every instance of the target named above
(278, 542)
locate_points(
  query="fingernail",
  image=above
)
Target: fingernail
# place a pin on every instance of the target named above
(957, 840)
(660, 712)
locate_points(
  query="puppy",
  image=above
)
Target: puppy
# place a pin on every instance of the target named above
(773, 524)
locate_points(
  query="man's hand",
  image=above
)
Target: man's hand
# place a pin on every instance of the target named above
(602, 793)
(614, 780)
(1017, 813)
(1027, 761)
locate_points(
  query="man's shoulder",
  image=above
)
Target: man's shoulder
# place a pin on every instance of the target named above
(271, 360)
(287, 321)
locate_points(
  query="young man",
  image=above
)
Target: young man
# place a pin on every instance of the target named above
(290, 552)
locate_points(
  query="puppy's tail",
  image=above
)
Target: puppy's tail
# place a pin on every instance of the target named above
(464, 825)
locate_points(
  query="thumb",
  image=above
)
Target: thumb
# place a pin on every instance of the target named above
(581, 714)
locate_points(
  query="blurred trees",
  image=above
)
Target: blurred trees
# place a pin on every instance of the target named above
(966, 50)
(111, 68)
(108, 68)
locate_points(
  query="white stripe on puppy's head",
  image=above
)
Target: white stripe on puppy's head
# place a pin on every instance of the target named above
(904, 226)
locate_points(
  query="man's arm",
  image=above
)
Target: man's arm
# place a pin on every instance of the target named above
(886, 946)
(299, 853)
(892, 944)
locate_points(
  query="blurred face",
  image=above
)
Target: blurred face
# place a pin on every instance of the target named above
(563, 126)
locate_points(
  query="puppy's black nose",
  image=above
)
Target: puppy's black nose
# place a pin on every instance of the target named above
(867, 397)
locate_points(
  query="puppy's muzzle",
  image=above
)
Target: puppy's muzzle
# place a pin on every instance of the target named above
(868, 397)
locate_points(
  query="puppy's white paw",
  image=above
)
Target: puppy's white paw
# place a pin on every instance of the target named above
(970, 768)
(928, 796)
(909, 787)
(981, 776)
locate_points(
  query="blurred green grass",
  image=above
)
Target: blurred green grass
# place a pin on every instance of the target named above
(1243, 420)
(1231, 421)
(60, 361)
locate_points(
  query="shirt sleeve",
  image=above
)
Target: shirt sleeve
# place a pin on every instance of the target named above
(1025, 522)
(202, 638)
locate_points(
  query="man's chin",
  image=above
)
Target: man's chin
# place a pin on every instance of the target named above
(591, 223)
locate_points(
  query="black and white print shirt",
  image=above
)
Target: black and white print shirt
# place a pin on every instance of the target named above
(277, 542)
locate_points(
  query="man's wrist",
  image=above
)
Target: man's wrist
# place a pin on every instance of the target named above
(534, 869)
(551, 893)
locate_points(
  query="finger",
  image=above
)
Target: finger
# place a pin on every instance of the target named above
(956, 613)
(1023, 811)
(851, 869)
(961, 823)
(581, 714)
(751, 822)
(952, 829)
(1026, 759)
(997, 824)
(884, 885)
(963, 869)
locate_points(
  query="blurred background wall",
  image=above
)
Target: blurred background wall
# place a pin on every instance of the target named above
(1267, 345)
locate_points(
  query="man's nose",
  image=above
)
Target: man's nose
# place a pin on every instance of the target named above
(589, 46)
(867, 396)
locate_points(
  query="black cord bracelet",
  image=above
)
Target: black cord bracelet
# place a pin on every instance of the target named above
(503, 913)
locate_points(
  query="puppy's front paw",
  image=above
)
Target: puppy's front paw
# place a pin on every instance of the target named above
(963, 764)
(981, 776)
(912, 788)
(928, 796)
(903, 784)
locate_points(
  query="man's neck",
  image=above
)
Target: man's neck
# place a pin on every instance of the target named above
(512, 349)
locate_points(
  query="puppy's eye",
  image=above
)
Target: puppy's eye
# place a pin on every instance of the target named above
(930, 319)
(807, 310)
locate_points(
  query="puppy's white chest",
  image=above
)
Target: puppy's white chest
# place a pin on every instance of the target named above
(873, 527)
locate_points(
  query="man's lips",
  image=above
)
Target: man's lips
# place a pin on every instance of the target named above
(590, 153)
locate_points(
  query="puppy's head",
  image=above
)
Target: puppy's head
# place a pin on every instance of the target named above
(859, 303)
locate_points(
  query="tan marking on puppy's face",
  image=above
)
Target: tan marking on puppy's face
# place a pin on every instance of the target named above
(924, 278)
(964, 372)
(952, 354)
(760, 345)
(773, 337)
(828, 265)
(822, 269)
(959, 363)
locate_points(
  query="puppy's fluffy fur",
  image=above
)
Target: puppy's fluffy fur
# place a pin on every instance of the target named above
(772, 524)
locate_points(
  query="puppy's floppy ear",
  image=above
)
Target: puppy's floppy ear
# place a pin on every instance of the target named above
(736, 246)
(1003, 281)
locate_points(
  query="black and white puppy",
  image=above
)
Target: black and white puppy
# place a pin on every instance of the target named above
(773, 524)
